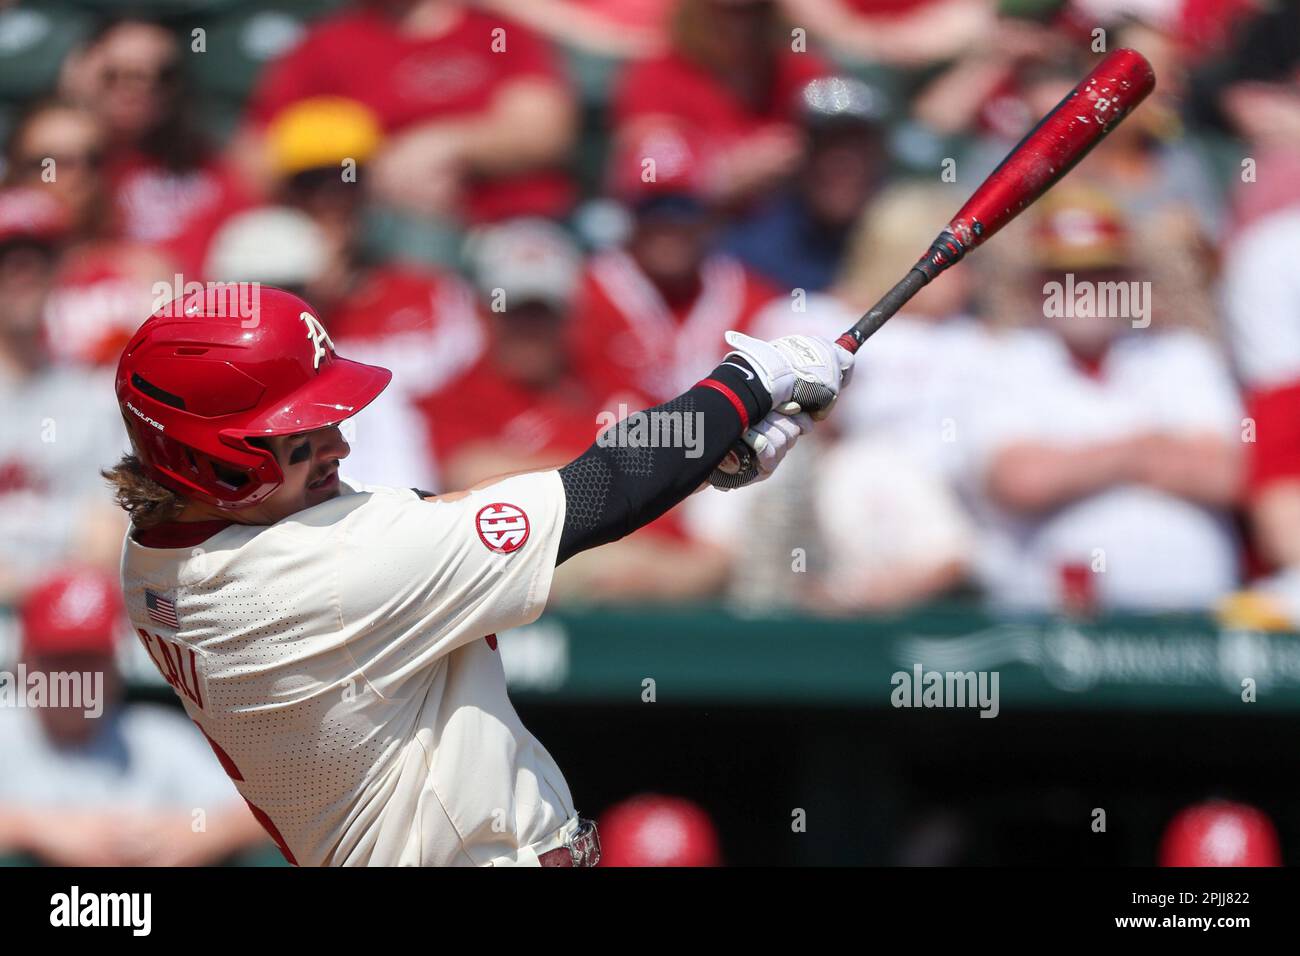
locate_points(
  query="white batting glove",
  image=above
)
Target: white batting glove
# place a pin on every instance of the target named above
(772, 439)
(802, 373)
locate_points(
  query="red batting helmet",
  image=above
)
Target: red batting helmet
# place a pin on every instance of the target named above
(651, 830)
(1219, 833)
(215, 368)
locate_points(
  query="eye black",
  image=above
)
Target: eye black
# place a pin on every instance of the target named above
(300, 454)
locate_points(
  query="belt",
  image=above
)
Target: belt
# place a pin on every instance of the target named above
(581, 849)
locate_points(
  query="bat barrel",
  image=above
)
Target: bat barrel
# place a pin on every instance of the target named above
(1050, 150)
(1056, 144)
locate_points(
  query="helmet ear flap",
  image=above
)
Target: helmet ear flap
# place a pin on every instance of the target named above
(198, 475)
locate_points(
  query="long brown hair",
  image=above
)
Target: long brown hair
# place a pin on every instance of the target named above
(147, 502)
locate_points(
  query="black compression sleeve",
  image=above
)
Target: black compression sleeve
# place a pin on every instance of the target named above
(653, 459)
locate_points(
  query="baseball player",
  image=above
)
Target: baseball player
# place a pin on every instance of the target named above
(336, 642)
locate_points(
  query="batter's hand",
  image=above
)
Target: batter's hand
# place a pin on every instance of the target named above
(802, 373)
(771, 440)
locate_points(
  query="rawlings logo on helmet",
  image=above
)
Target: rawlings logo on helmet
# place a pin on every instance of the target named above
(152, 421)
(316, 332)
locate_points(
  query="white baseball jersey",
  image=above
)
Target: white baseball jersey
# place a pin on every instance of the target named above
(343, 664)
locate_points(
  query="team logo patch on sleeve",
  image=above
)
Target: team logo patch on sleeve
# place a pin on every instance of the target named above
(502, 527)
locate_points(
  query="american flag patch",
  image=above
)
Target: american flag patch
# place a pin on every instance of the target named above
(161, 610)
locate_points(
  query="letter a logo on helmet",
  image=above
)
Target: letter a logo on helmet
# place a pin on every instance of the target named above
(200, 378)
(319, 338)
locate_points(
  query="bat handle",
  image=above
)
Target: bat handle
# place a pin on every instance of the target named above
(943, 252)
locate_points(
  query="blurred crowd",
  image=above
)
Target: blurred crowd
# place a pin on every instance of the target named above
(537, 211)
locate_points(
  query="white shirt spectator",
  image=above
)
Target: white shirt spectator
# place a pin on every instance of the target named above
(1261, 288)
(143, 757)
(61, 426)
(1159, 551)
(854, 515)
(911, 380)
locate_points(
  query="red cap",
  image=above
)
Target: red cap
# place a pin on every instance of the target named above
(32, 214)
(1219, 833)
(650, 830)
(75, 611)
(661, 161)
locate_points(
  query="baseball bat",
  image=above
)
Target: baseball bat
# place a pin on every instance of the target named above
(1051, 149)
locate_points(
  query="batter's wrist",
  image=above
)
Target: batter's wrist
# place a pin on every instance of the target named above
(739, 383)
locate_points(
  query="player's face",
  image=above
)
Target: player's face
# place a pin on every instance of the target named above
(310, 462)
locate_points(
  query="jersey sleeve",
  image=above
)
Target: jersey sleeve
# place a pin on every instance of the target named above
(417, 579)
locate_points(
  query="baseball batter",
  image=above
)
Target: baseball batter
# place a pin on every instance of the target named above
(335, 642)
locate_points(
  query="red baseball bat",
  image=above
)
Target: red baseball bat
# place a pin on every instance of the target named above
(1050, 150)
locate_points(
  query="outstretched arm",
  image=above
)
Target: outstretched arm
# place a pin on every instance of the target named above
(636, 470)
(622, 482)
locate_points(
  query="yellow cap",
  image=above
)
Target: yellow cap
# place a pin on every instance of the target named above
(1080, 227)
(321, 132)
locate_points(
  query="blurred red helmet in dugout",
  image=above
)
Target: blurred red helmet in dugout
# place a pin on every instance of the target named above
(652, 830)
(73, 611)
(1220, 833)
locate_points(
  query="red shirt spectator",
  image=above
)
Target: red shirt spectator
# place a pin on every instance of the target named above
(627, 337)
(420, 323)
(102, 292)
(556, 423)
(731, 134)
(176, 210)
(674, 86)
(363, 54)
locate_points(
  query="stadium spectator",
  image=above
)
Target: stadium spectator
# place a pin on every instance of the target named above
(521, 408)
(797, 239)
(1220, 833)
(923, 367)
(60, 422)
(1253, 93)
(1106, 457)
(1262, 300)
(646, 312)
(732, 81)
(416, 320)
(105, 285)
(168, 186)
(653, 830)
(478, 116)
(93, 781)
(518, 408)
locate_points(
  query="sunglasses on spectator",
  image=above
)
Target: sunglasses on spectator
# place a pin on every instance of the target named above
(163, 75)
